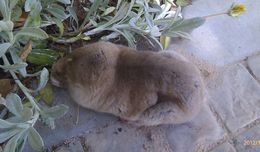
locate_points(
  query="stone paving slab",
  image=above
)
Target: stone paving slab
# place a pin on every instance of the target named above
(119, 137)
(226, 147)
(222, 40)
(197, 134)
(235, 96)
(249, 141)
(67, 126)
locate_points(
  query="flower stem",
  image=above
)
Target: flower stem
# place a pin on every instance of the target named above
(213, 15)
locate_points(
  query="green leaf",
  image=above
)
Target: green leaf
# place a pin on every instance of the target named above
(21, 143)
(184, 25)
(60, 25)
(155, 31)
(4, 47)
(4, 9)
(108, 11)
(118, 17)
(16, 59)
(43, 79)
(34, 18)
(31, 32)
(56, 111)
(47, 120)
(58, 13)
(35, 140)
(8, 134)
(179, 34)
(47, 94)
(92, 10)
(13, 3)
(30, 4)
(183, 2)
(73, 14)
(6, 26)
(15, 66)
(65, 1)
(16, 14)
(14, 104)
(5, 124)
(26, 114)
(43, 56)
(12, 143)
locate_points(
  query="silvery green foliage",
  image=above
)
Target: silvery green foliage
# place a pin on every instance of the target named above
(148, 19)
(18, 128)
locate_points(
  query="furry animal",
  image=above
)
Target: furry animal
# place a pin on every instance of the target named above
(143, 87)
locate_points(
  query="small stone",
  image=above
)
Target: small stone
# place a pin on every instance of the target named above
(119, 129)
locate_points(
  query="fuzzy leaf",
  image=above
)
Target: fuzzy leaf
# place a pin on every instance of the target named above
(108, 11)
(92, 10)
(26, 114)
(3, 48)
(30, 4)
(183, 2)
(5, 124)
(17, 60)
(59, 25)
(15, 66)
(57, 111)
(14, 104)
(16, 16)
(73, 14)
(13, 3)
(185, 25)
(34, 18)
(58, 13)
(12, 143)
(64, 1)
(43, 79)
(4, 9)
(8, 134)
(32, 32)
(6, 26)
(35, 140)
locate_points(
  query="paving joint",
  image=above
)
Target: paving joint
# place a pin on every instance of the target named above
(232, 136)
(223, 126)
(250, 71)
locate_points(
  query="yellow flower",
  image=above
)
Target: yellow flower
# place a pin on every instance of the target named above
(236, 10)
